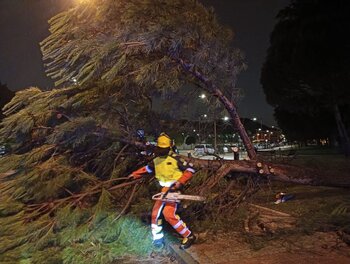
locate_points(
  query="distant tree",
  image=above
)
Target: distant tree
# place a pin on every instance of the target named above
(190, 140)
(303, 127)
(5, 96)
(306, 70)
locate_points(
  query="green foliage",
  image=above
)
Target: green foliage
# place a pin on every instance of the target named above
(9, 162)
(9, 206)
(74, 134)
(113, 240)
(341, 215)
(65, 147)
(110, 43)
(342, 209)
(74, 230)
(50, 255)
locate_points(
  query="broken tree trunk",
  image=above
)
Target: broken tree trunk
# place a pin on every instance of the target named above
(228, 104)
(272, 171)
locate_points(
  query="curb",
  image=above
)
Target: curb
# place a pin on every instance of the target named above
(181, 255)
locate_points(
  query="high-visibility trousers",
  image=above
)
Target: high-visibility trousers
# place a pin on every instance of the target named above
(169, 211)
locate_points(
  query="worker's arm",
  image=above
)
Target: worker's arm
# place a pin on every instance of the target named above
(186, 176)
(148, 169)
(187, 172)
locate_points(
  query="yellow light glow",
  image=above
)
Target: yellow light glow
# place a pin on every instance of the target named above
(83, 1)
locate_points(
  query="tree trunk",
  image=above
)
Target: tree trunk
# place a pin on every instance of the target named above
(236, 121)
(230, 106)
(343, 134)
(272, 171)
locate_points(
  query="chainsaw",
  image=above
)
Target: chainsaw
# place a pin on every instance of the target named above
(176, 197)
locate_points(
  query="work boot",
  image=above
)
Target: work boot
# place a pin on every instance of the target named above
(187, 241)
(158, 244)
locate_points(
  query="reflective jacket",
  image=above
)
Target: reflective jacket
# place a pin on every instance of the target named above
(168, 169)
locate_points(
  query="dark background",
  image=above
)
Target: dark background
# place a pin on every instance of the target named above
(23, 24)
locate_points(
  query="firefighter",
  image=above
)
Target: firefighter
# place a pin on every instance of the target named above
(172, 173)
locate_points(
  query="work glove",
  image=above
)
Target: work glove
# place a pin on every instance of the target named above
(177, 186)
(131, 177)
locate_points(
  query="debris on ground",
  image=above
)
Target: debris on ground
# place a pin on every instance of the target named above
(262, 220)
(283, 197)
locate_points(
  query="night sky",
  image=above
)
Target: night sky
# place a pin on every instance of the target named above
(23, 24)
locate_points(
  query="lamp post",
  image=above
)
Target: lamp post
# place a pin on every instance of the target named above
(215, 142)
(259, 130)
(204, 97)
(256, 119)
(199, 129)
(199, 125)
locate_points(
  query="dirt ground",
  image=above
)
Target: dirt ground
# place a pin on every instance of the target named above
(302, 230)
(232, 248)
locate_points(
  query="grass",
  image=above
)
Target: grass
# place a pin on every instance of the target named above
(331, 169)
(317, 208)
(314, 206)
(327, 164)
(317, 150)
(311, 204)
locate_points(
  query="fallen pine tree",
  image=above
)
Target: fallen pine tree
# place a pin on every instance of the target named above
(36, 216)
(64, 193)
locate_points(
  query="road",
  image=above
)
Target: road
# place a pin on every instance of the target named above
(229, 156)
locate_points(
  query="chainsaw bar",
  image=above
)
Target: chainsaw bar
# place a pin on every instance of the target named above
(176, 197)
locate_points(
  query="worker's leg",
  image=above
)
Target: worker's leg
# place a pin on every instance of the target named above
(156, 223)
(174, 220)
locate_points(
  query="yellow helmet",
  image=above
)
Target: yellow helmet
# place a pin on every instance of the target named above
(163, 141)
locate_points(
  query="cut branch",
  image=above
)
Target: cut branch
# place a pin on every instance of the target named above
(36, 210)
(128, 202)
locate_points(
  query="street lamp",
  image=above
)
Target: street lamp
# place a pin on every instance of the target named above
(256, 119)
(204, 97)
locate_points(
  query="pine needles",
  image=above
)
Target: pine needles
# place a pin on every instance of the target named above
(68, 198)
